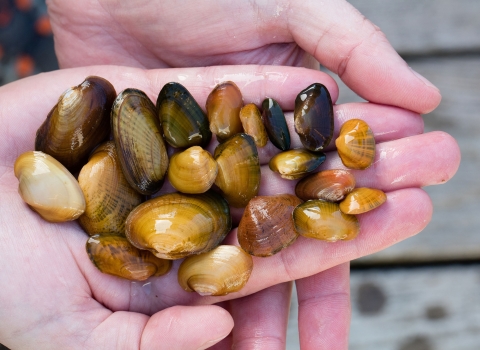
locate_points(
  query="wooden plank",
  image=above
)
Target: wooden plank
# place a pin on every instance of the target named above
(426, 26)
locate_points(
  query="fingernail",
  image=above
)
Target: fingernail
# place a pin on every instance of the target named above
(423, 79)
(210, 343)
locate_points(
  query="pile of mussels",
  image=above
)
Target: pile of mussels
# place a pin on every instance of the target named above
(136, 240)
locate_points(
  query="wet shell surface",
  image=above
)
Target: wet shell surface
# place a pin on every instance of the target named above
(77, 123)
(226, 269)
(323, 220)
(295, 163)
(114, 255)
(266, 226)
(193, 170)
(183, 122)
(330, 185)
(223, 110)
(275, 124)
(109, 197)
(356, 144)
(48, 187)
(314, 117)
(238, 169)
(139, 142)
(361, 200)
(176, 225)
(252, 123)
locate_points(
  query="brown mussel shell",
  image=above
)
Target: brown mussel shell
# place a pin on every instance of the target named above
(252, 123)
(223, 110)
(323, 220)
(361, 200)
(226, 269)
(295, 163)
(330, 185)
(108, 195)
(77, 123)
(183, 122)
(314, 117)
(238, 169)
(114, 255)
(275, 124)
(175, 225)
(48, 187)
(266, 226)
(139, 142)
(192, 171)
(356, 144)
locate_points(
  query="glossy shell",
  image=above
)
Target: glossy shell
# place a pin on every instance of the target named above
(139, 142)
(223, 110)
(77, 123)
(238, 169)
(115, 256)
(252, 123)
(361, 200)
(48, 187)
(226, 269)
(176, 225)
(330, 185)
(192, 171)
(356, 144)
(266, 226)
(275, 124)
(314, 117)
(295, 163)
(109, 197)
(183, 122)
(324, 220)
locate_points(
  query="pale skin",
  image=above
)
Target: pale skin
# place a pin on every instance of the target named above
(55, 298)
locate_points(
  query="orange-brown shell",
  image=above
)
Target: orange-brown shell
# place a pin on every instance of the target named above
(361, 200)
(356, 144)
(252, 123)
(330, 185)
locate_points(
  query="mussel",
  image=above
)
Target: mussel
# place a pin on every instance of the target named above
(252, 123)
(275, 124)
(296, 163)
(361, 200)
(331, 185)
(356, 144)
(224, 270)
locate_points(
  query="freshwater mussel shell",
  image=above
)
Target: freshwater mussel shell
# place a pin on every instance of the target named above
(223, 110)
(184, 123)
(108, 195)
(362, 200)
(313, 117)
(139, 142)
(252, 123)
(275, 124)
(324, 221)
(296, 163)
(175, 225)
(331, 185)
(225, 269)
(114, 255)
(77, 123)
(266, 226)
(356, 144)
(238, 169)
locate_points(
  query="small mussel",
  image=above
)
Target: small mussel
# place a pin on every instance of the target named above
(183, 122)
(223, 110)
(252, 123)
(275, 124)
(295, 163)
(48, 187)
(330, 185)
(175, 225)
(193, 170)
(78, 123)
(226, 269)
(114, 255)
(323, 220)
(356, 144)
(108, 195)
(361, 200)
(266, 226)
(314, 117)
(139, 142)
(238, 169)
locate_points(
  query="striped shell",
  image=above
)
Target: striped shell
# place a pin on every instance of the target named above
(330, 185)
(361, 200)
(356, 144)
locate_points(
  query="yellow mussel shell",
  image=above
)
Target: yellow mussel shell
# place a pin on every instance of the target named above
(356, 144)
(361, 200)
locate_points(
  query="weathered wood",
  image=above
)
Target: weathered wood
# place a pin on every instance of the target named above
(426, 26)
